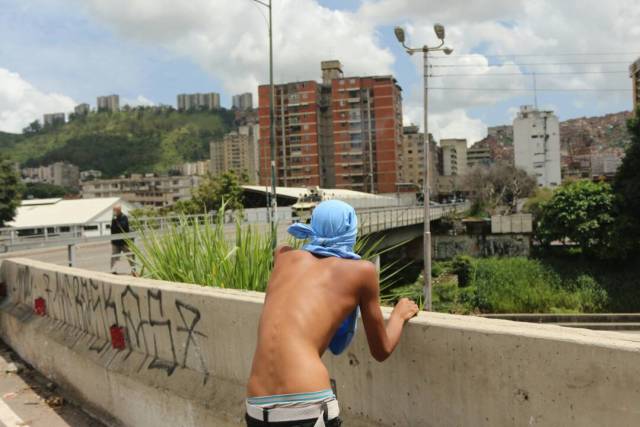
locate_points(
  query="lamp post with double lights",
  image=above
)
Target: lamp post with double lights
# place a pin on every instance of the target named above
(425, 50)
(272, 126)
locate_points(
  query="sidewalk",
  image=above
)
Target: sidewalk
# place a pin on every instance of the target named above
(28, 399)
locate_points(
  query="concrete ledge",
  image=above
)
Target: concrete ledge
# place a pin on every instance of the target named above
(189, 353)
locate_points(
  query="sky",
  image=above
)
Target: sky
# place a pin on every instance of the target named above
(55, 54)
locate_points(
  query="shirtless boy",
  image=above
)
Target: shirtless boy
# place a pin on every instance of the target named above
(310, 293)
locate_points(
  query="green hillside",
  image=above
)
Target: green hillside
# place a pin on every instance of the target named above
(144, 139)
(8, 141)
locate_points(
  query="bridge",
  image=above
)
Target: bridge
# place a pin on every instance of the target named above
(92, 251)
(145, 353)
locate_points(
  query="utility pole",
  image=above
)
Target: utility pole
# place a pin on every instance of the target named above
(273, 199)
(400, 35)
(272, 124)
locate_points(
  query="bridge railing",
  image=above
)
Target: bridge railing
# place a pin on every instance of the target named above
(372, 221)
(70, 236)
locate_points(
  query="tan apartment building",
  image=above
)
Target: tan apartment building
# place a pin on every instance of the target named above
(242, 102)
(411, 159)
(82, 109)
(479, 155)
(62, 174)
(148, 190)
(194, 101)
(454, 157)
(53, 119)
(110, 103)
(237, 151)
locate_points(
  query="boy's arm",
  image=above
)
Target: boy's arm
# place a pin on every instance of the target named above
(382, 339)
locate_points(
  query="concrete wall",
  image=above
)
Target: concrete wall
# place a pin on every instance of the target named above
(190, 348)
(447, 247)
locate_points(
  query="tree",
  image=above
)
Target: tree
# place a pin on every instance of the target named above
(626, 188)
(534, 204)
(33, 128)
(9, 192)
(581, 212)
(213, 192)
(500, 185)
(41, 190)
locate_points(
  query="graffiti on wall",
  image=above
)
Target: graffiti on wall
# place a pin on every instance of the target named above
(164, 328)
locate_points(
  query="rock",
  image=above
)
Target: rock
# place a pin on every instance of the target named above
(55, 401)
(14, 368)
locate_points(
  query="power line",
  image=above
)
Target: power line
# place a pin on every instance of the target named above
(559, 73)
(546, 55)
(531, 64)
(528, 89)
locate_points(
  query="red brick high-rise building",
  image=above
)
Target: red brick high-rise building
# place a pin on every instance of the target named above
(341, 133)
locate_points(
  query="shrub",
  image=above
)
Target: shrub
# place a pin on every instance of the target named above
(436, 269)
(462, 266)
(198, 252)
(593, 298)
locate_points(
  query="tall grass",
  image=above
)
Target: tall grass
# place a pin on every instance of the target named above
(198, 251)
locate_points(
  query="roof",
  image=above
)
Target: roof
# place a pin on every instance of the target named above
(297, 192)
(293, 192)
(61, 212)
(34, 202)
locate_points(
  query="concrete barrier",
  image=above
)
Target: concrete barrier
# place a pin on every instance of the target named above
(188, 354)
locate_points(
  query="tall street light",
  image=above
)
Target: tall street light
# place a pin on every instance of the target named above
(272, 126)
(400, 35)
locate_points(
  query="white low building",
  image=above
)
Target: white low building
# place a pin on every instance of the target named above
(58, 217)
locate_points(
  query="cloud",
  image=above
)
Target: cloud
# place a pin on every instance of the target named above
(21, 103)
(451, 124)
(139, 101)
(229, 38)
(593, 33)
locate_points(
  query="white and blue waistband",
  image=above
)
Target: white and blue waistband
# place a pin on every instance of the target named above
(295, 398)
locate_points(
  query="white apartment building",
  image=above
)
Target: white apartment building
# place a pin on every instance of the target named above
(454, 157)
(200, 168)
(536, 136)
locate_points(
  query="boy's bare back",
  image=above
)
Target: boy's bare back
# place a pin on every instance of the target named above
(307, 299)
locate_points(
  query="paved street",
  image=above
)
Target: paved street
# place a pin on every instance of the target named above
(27, 399)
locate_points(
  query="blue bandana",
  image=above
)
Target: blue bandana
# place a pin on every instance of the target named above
(333, 232)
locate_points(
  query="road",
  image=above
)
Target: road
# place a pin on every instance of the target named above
(27, 399)
(90, 256)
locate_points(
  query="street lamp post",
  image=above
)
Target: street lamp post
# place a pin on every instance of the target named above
(272, 125)
(400, 35)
